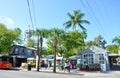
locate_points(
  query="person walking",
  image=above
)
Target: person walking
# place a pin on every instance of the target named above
(68, 65)
(62, 64)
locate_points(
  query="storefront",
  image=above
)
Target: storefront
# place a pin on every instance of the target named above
(95, 57)
(114, 61)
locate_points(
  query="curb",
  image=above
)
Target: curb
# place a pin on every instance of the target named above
(61, 73)
(25, 70)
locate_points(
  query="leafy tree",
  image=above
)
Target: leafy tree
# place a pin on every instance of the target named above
(76, 19)
(59, 37)
(42, 34)
(73, 40)
(7, 38)
(54, 36)
(116, 40)
(99, 41)
(17, 33)
(112, 48)
(45, 52)
(30, 43)
(49, 46)
(89, 43)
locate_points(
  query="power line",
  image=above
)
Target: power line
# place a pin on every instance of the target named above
(89, 14)
(95, 18)
(104, 14)
(86, 9)
(34, 12)
(100, 25)
(30, 13)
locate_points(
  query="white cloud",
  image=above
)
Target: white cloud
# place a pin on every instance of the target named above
(7, 21)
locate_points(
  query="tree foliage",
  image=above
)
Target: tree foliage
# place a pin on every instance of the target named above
(55, 34)
(88, 43)
(76, 19)
(73, 40)
(116, 40)
(112, 48)
(30, 43)
(8, 37)
(99, 41)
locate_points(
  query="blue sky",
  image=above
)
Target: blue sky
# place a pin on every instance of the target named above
(104, 15)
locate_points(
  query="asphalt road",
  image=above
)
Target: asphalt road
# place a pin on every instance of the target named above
(33, 74)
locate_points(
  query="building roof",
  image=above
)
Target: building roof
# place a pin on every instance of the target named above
(94, 49)
(52, 56)
(75, 57)
(112, 54)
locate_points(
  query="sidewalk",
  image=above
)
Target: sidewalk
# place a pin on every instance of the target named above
(50, 70)
(72, 72)
(88, 74)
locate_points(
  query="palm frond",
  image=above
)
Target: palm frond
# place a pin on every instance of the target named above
(84, 21)
(76, 18)
(116, 40)
(83, 28)
(81, 15)
(68, 24)
(70, 16)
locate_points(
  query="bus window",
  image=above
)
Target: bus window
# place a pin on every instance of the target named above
(0, 59)
(16, 51)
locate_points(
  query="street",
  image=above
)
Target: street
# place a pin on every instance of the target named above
(30, 74)
(34, 74)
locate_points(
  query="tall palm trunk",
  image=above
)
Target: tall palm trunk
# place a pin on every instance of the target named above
(38, 55)
(55, 47)
(41, 42)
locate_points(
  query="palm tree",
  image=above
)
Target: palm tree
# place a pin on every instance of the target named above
(40, 33)
(54, 35)
(76, 19)
(116, 40)
(113, 48)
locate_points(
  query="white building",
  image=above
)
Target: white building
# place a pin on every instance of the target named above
(97, 55)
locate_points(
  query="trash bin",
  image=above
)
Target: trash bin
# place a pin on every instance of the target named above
(29, 67)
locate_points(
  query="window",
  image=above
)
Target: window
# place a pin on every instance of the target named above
(16, 51)
(22, 51)
(101, 59)
(29, 53)
(88, 58)
(0, 59)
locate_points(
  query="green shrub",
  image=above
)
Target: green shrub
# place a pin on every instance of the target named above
(91, 66)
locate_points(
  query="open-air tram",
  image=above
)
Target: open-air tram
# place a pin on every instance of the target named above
(5, 62)
(20, 54)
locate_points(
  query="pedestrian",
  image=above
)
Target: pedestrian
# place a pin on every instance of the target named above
(65, 67)
(62, 63)
(68, 66)
(46, 64)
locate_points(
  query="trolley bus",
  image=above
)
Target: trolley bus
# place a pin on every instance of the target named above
(5, 62)
(20, 54)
